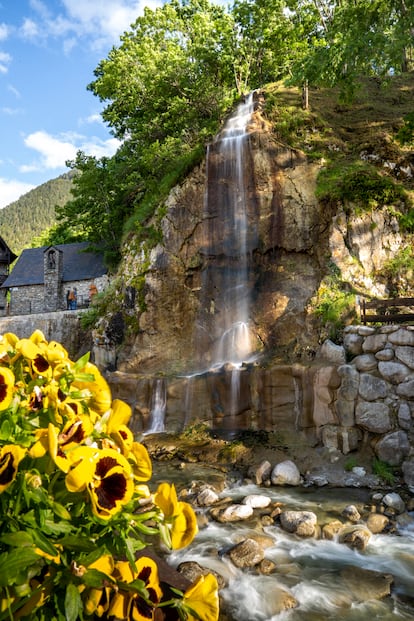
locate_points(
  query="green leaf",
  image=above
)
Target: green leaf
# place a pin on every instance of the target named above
(18, 539)
(61, 511)
(12, 563)
(73, 603)
(43, 543)
(94, 578)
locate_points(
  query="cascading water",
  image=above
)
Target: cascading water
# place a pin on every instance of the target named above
(223, 335)
(158, 406)
(230, 214)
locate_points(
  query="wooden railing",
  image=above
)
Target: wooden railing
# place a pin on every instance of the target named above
(387, 311)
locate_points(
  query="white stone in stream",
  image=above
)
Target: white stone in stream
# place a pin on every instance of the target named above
(207, 497)
(302, 523)
(257, 501)
(394, 501)
(235, 513)
(285, 473)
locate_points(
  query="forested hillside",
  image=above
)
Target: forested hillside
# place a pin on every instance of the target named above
(33, 213)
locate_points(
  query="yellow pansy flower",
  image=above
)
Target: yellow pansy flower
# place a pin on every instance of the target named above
(10, 457)
(141, 462)
(201, 600)
(97, 600)
(106, 475)
(179, 517)
(131, 605)
(100, 394)
(7, 380)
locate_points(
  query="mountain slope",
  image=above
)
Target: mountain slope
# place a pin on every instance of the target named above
(25, 219)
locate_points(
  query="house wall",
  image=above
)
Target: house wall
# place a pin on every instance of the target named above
(29, 299)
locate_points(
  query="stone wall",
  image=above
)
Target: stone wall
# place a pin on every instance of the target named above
(63, 327)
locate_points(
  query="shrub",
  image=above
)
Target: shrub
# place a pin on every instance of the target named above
(76, 512)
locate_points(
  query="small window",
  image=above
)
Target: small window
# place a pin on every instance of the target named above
(51, 260)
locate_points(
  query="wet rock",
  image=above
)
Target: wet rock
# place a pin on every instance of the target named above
(207, 497)
(247, 553)
(192, 571)
(285, 473)
(377, 523)
(366, 584)
(351, 513)
(278, 599)
(232, 513)
(266, 567)
(331, 529)
(260, 473)
(257, 501)
(355, 537)
(394, 501)
(302, 523)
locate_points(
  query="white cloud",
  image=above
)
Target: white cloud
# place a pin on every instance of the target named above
(29, 29)
(14, 90)
(4, 32)
(11, 190)
(5, 60)
(55, 151)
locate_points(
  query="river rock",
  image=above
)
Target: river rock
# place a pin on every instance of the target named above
(351, 513)
(385, 354)
(377, 522)
(302, 523)
(373, 417)
(394, 501)
(232, 513)
(207, 497)
(366, 584)
(266, 567)
(257, 501)
(192, 570)
(330, 530)
(260, 473)
(393, 448)
(355, 536)
(285, 473)
(278, 599)
(247, 553)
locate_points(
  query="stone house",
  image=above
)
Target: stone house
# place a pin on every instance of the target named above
(42, 277)
(6, 258)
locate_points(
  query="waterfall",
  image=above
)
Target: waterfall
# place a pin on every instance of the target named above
(231, 239)
(158, 407)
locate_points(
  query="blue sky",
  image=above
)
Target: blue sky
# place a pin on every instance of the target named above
(48, 52)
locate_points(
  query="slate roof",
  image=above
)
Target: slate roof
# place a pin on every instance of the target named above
(77, 265)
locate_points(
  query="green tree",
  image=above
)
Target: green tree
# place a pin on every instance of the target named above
(348, 39)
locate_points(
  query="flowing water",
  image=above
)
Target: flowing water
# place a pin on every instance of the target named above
(314, 571)
(231, 238)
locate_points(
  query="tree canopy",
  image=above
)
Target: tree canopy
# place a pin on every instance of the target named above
(180, 68)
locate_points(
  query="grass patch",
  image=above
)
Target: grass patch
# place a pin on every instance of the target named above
(384, 471)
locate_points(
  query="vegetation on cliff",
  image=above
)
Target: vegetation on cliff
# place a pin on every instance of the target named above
(179, 70)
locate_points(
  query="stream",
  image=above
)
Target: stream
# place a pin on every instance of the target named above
(315, 571)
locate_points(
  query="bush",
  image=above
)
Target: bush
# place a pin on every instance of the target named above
(76, 512)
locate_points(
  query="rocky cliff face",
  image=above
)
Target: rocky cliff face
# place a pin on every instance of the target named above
(297, 240)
